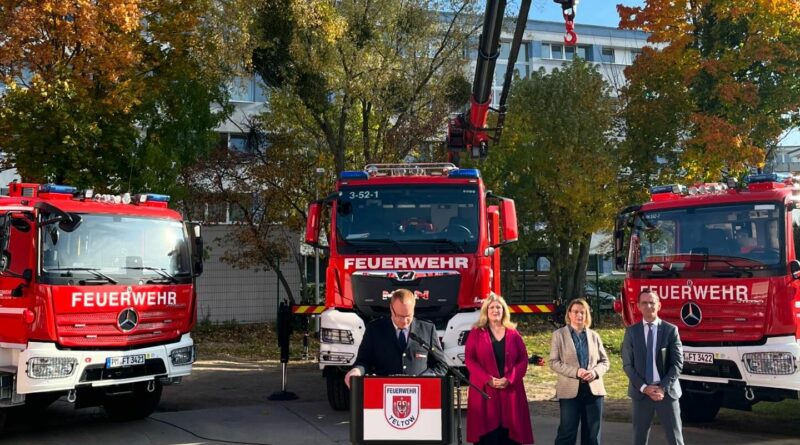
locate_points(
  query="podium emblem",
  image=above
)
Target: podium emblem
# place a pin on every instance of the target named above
(401, 405)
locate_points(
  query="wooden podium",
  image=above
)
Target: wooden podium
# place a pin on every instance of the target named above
(401, 409)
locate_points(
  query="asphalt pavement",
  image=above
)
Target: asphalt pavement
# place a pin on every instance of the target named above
(226, 403)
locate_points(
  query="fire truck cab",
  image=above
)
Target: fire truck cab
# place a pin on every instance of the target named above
(724, 261)
(429, 228)
(97, 298)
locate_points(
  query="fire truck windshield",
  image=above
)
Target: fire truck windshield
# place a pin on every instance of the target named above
(117, 248)
(407, 219)
(726, 240)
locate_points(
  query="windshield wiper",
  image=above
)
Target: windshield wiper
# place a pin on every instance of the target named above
(446, 241)
(159, 270)
(667, 273)
(95, 271)
(378, 241)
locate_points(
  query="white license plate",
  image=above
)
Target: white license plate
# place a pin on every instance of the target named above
(125, 360)
(698, 357)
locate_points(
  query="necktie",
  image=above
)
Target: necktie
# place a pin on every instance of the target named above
(401, 339)
(648, 369)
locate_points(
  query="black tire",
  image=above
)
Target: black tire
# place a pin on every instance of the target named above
(699, 407)
(338, 392)
(137, 404)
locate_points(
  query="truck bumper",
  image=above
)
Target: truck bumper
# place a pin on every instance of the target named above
(90, 368)
(776, 362)
(340, 335)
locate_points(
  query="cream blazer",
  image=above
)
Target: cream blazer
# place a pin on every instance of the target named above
(564, 362)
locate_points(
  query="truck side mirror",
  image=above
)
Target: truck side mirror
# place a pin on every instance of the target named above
(794, 267)
(508, 215)
(197, 247)
(313, 224)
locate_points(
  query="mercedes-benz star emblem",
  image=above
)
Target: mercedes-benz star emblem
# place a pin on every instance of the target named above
(405, 275)
(691, 314)
(128, 319)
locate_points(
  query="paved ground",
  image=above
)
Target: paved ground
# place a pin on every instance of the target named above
(224, 403)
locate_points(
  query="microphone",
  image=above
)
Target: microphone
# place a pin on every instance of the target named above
(437, 354)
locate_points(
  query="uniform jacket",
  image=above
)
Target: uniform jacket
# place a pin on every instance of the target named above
(668, 354)
(507, 407)
(564, 362)
(380, 354)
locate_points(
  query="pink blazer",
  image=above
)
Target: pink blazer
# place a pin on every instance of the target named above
(507, 407)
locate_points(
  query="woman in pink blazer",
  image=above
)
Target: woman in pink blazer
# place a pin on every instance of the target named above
(497, 361)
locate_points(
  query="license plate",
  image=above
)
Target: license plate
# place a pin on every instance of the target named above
(125, 360)
(698, 357)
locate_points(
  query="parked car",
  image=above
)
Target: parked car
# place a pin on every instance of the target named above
(606, 299)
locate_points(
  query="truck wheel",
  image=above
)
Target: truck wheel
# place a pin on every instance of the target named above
(338, 393)
(700, 408)
(137, 404)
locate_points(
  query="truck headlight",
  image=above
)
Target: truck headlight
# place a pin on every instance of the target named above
(341, 336)
(462, 338)
(183, 356)
(51, 367)
(774, 363)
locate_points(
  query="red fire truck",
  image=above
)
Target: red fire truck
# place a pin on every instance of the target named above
(724, 260)
(430, 228)
(97, 298)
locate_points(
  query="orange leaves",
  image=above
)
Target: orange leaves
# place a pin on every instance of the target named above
(727, 71)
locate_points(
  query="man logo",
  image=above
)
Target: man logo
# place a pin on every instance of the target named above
(401, 405)
(691, 315)
(128, 319)
(405, 275)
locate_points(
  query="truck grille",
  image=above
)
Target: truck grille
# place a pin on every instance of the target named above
(437, 293)
(101, 328)
(720, 323)
(720, 368)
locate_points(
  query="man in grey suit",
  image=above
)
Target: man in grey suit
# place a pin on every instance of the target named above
(652, 357)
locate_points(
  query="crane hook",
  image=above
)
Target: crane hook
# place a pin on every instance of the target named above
(570, 38)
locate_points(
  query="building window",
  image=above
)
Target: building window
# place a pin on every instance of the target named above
(636, 52)
(607, 55)
(561, 52)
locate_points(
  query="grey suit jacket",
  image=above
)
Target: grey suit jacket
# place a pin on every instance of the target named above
(669, 359)
(564, 362)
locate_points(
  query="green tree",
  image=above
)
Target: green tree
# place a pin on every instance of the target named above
(559, 160)
(717, 89)
(115, 95)
(369, 79)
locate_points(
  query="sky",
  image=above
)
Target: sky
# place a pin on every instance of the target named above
(590, 12)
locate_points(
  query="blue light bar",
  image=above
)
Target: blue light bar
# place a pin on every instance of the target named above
(56, 188)
(465, 173)
(766, 177)
(354, 175)
(671, 188)
(156, 197)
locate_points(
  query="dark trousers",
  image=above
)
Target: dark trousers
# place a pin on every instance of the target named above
(585, 409)
(496, 437)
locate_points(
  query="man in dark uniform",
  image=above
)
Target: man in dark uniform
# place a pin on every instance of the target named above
(386, 348)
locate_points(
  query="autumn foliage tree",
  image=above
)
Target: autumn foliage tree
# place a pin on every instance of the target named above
(715, 91)
(115, 94)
